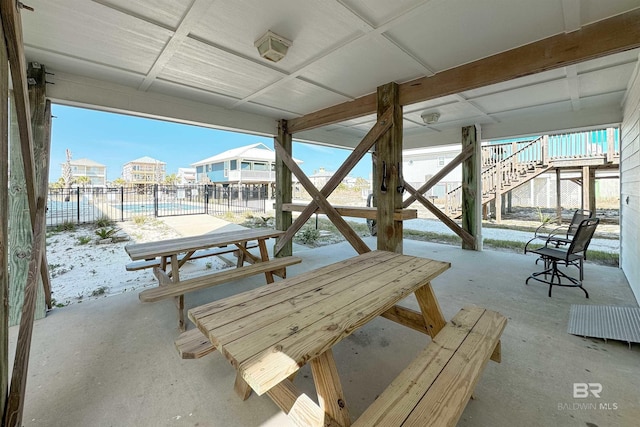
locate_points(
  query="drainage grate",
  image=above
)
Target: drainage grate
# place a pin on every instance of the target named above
(608, 322)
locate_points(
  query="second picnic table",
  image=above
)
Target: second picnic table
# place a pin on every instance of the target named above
(173, 253)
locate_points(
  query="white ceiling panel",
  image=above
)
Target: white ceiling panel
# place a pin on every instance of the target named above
(525, 81)
(199, 65)
(54, 62)
(378, 12)
(595, 10)
(456, 32)
(312, 26)
(630, 56)
(264, 110)
(365, 64)
(613, 99)
(191, 93)
(298, 96)
(449, 112)
(535, 110)
(95, 33)
(606, 80)
(545, 93)
(164, 12)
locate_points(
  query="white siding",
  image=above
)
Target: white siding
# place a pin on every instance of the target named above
(630, 187)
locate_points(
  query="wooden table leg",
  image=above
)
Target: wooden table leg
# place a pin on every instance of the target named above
(241, 255)
(242, 389)
(329, 389)
(430, 309)
(175, 277)
(264, 255)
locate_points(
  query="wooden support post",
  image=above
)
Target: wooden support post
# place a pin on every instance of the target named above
(330, 396)
(471, 191)
(585, 188)
(558, 197)
(41, 131)
(4, 224)
(283, 189)
(388, 192)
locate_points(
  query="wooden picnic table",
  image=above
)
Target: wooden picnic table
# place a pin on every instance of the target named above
(171, 254)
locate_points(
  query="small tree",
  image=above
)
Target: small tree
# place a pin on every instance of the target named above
(171, 179)
(119, 182)
(83, 180)
(67, 174)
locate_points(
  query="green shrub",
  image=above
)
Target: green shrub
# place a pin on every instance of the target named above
(106, 233)
(104, 221)
(139, 219)
(309, 235)
(83, 240)
(66, 226)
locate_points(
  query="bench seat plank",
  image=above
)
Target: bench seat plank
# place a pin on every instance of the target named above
(202, 282)
(193, 345)
(435, 388)
(202, 253)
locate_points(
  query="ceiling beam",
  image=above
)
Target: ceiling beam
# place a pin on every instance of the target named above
(606, 37)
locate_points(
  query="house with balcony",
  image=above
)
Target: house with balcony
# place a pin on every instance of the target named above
(144, 171)
(96, 172)
(186, 176)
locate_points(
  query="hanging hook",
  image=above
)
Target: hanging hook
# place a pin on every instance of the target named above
(400, 187)
(383, 187)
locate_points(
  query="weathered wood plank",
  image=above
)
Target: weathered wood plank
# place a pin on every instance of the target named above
(209, 280)
(388, 158)
(300, 409)
(241, 388)
(356, 211)
(221, 313)
(470, 191)
(330, 395)
(356, 155)
(406, 390)
(406, 317)
(4, 222)
(320, 200)
(12, 27)
(283, 191)
(15, 402)
(193, 345)
(602, 38)
(430, 308)
(456, 383)
(169, 247)
(41, 131)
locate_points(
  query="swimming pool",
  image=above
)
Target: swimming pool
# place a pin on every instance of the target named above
(149, 207)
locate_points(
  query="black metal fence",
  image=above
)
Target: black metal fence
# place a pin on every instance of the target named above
(83, 205)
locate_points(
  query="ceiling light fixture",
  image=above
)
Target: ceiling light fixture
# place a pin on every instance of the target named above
(272, 46)
(430, 118)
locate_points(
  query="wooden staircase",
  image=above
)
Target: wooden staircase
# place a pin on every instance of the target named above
(504, 168)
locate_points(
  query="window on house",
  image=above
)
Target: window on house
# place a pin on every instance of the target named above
(233, 165)
(260, 166)
(245, 166)
(441, 161)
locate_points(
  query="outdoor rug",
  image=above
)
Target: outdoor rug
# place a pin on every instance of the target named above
(608, 322)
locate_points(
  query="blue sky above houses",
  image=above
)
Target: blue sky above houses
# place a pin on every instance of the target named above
(115, 139)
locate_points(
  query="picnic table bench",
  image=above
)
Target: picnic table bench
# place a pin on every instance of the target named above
(269, 333)
(167, 256)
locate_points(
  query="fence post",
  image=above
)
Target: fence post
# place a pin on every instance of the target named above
(78, 203)
(610, 145)
(122, 203)
(155, 200)
(206, 199)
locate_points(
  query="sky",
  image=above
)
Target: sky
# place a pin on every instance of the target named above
(115, 139)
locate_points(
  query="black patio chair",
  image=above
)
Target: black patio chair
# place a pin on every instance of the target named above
(574, 255)
(560, 235)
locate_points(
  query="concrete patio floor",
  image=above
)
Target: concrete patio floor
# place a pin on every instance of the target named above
(112, 362)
